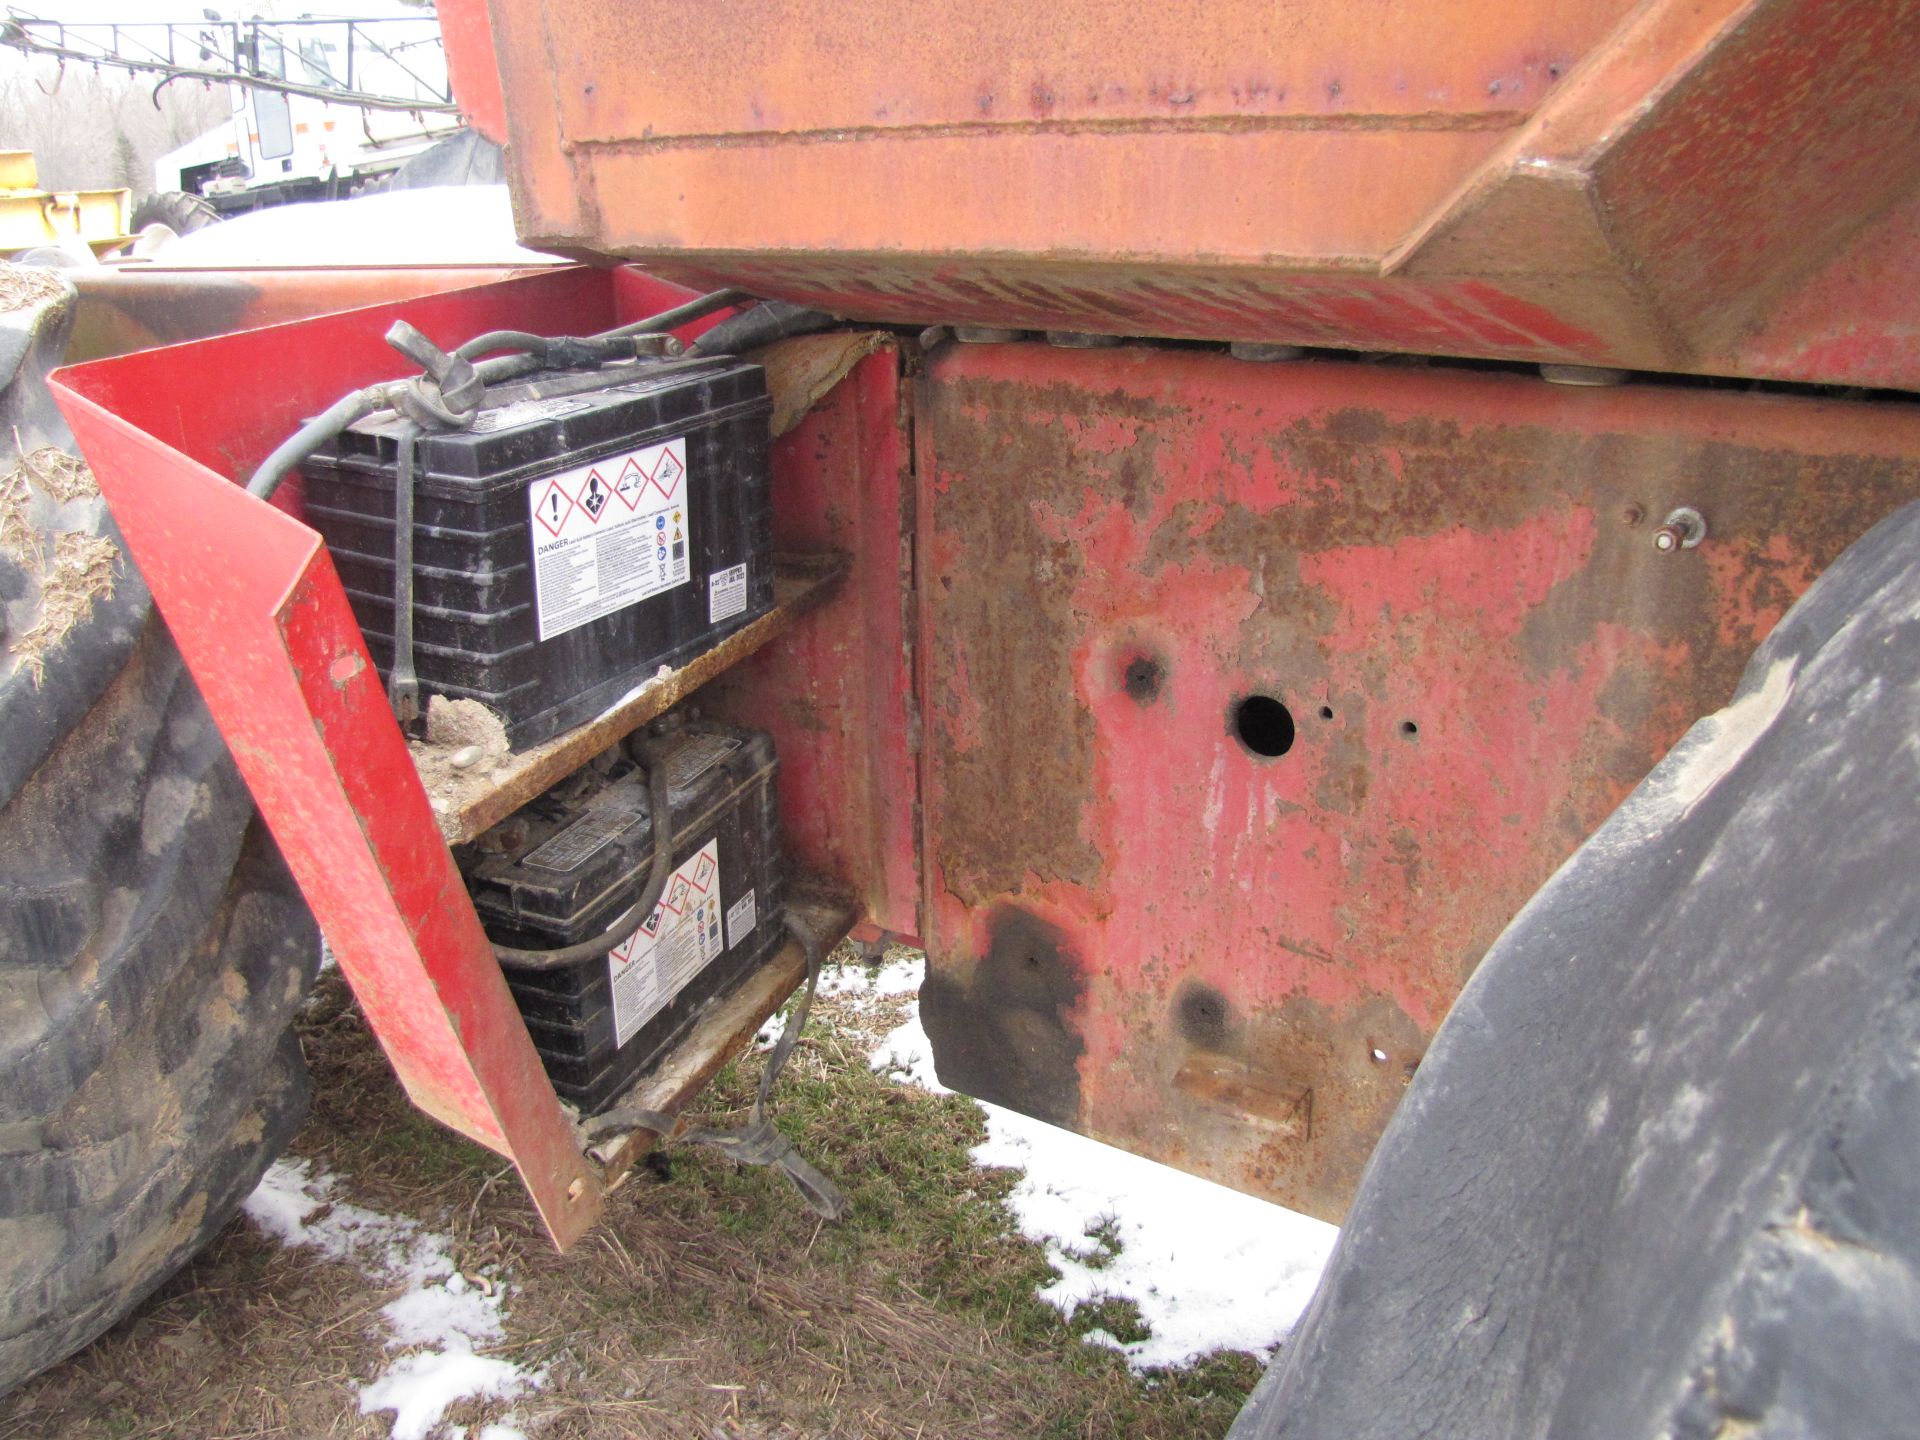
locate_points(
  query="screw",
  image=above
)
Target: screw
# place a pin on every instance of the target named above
(1633, 514)
(576, 1189)
(1683, 529)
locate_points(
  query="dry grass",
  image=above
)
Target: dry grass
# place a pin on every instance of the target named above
(707, 1304)
(25, 285)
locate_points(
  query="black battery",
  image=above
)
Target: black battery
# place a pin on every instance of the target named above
(570, 543)
(562, 868)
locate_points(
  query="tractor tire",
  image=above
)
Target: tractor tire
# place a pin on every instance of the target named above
(154, 950)
(176, 209)
(1658, 1178)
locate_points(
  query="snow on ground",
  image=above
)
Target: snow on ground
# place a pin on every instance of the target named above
(442, 1319)
(1208, 1267)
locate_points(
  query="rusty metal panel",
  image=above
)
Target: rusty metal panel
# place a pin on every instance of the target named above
(1653, 186)
(838, 691)
(1141, 928)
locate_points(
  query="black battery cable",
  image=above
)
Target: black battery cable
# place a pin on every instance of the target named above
(512, 957)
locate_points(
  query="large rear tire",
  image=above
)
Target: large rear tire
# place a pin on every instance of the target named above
(176, 209)
(154, 949)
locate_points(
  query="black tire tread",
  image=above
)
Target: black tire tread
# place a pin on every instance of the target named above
(176, 209)
(154, 956)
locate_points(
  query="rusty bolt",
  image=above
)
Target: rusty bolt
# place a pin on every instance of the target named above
(1683, 529)
(1633, 515)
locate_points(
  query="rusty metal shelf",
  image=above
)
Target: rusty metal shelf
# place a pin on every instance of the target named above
(725, 1029)
(468, 801)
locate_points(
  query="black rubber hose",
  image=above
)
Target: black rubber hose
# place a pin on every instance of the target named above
(312, 435)
(695, 309)
(362, 403)
(765, 323)
(627, 921)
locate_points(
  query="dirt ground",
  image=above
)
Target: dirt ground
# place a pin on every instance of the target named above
(707, 1304)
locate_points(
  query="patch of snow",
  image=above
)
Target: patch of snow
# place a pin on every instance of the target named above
(418, 1388)
(906, 1054)
(1209, 1268)
(440, 1318)
(889, 981)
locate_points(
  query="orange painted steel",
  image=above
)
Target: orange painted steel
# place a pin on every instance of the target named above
(1710, 186)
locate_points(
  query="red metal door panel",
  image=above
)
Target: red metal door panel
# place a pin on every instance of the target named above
(1233, 961)
(838, 692)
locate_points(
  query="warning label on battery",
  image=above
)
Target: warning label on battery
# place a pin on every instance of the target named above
(726, 594)
(608, 535)
(676, 943)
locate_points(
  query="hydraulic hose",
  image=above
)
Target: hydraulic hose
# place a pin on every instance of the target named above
(696, 309)
(765, 323)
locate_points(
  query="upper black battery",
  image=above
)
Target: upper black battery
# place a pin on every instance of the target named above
(569, 543)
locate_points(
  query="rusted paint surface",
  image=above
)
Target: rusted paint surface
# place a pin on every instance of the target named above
(1659, 186)
(836, 692)
(1448, 580)
(866, 66)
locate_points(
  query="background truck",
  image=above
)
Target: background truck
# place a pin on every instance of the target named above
(321, 107)
(1260, 492)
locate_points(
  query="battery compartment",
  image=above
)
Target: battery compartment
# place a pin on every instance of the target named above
(561, 869)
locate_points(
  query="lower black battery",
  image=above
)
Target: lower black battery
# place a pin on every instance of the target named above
(562, 868)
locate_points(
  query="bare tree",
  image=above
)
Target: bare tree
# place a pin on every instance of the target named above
(93, 129)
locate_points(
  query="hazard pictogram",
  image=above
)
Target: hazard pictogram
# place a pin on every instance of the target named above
(593, 496)
(553, 507)
(703, 874)
(623, 952)
(666, 475)
(629, 483)
(651, 925)
(676, 900)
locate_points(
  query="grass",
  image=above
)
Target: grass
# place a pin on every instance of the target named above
(707, 1303)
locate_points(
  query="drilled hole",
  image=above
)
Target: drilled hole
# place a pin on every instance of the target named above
(1264, 725)
(1326, 712)
(1408, 728)
(1142, 678)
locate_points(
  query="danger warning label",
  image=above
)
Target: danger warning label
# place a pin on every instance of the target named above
(608, 534)
(679, 940)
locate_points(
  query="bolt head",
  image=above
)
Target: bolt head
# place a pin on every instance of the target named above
(1666, 538)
